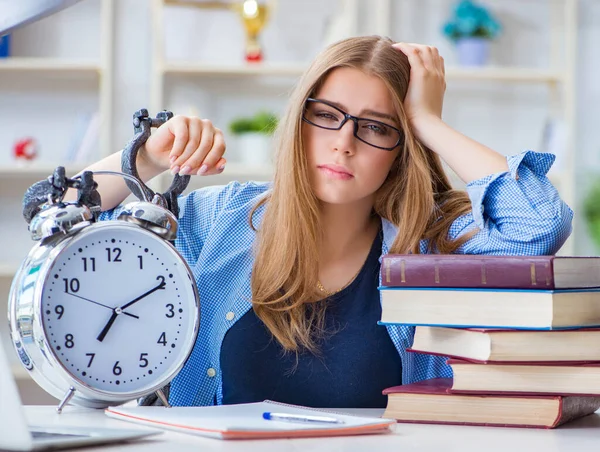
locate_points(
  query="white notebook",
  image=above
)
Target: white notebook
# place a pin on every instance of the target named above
(245, 421)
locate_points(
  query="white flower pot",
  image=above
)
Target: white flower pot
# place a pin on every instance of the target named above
(473, 51)
(255, 148)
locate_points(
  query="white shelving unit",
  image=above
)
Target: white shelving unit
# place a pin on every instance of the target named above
(559, 78)
(15, 178)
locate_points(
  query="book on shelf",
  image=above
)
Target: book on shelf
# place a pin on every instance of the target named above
(485, 271)
(84, 141)
(430, 401)
(484, 308)
(531, 378)
(485, 345)
(246, 421)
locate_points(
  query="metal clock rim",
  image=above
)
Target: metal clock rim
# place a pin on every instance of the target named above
(93, 396)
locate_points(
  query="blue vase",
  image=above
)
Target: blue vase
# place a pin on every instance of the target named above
(473, 51)
(4, 46)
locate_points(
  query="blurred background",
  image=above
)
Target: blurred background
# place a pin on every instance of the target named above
(521, 75)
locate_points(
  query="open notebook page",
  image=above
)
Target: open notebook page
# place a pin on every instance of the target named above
(245, 421)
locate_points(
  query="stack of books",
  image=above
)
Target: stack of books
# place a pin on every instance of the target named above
(522, 334)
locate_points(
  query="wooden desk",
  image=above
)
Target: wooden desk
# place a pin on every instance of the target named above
(581, 435)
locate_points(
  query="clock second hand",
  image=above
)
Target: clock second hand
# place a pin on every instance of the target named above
(103, 305)
(117, 311)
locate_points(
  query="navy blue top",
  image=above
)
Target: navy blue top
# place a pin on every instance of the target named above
(357, 361)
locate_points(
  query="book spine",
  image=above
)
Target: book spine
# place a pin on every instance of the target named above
(429, 271)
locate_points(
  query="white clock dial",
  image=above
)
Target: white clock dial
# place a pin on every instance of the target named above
(118, 309)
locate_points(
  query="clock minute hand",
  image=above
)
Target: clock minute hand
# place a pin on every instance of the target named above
(135, 300)
(117, 311)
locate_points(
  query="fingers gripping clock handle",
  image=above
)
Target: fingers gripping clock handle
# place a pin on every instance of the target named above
(142, 125)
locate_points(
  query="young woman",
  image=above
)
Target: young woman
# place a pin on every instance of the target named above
(288, 271)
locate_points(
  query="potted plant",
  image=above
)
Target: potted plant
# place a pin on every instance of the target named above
(471, 29)
(591, 209)
(253, 136)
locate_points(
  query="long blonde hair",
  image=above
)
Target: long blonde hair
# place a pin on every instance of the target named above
(416, 197)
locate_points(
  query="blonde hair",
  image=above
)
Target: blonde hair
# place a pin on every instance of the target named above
(416, 197)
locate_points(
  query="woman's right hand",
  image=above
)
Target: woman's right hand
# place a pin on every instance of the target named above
(186, 146)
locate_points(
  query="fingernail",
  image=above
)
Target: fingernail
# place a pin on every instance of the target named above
(203, 169)
(221, 168)
(185, 170)
(172, 159)
(175, 170)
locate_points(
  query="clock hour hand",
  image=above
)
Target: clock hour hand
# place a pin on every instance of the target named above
(135, 300)
(110, 322)
(103, 305)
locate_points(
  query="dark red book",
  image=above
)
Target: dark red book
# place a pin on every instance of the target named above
(525, 378)
(430, 401)
(508, 272)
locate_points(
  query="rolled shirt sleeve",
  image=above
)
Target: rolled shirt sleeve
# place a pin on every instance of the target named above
(517, 211)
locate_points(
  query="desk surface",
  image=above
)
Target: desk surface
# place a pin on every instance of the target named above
(583, 434)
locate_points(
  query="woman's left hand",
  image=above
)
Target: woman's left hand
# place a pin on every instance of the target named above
(425, 96)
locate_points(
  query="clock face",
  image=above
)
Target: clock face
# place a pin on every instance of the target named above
(119, 308)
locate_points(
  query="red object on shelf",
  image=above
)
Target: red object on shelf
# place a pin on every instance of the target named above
(254, 57)
(25, 149)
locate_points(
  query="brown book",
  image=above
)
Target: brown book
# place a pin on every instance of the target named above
(510, 272)
(484, 308)
(484, 345)
(528, 378)
(429, 401)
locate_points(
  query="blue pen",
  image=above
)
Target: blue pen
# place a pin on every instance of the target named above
(287, 417)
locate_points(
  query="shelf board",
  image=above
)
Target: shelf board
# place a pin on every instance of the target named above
(223, 70)
(504, 74)
(40, 170)
(18, 64)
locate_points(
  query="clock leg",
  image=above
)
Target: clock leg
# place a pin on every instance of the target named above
(68, 396)
(161, 395)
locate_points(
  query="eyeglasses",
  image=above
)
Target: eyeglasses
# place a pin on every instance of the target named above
(378, 134)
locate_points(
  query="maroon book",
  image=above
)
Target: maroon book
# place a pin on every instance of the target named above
(431, 402)
(494, 272)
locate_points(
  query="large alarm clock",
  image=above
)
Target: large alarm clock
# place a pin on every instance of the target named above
(103, 312)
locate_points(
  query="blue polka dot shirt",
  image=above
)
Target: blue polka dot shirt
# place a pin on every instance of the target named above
(517, 212)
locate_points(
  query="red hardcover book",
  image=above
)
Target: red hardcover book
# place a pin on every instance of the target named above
(525, 378)
(494, 272)
(430, 401)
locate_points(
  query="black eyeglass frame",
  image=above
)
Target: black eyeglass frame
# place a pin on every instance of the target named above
(355, 120)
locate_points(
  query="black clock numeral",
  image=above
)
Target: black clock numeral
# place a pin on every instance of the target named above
(114, 255)
(92, 264)
(141, 258)
(162, 281)
(171, 312)
(71, 285)
(143, 360)
(162, 339)
(116, 369)
(69, 341)
(60, 310)
(92, 356)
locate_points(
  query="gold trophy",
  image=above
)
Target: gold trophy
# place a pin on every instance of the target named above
(254, 17)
